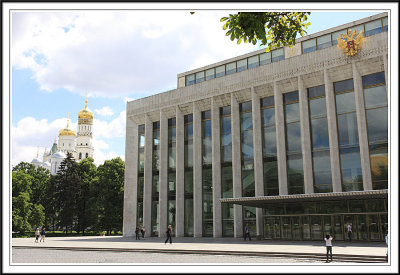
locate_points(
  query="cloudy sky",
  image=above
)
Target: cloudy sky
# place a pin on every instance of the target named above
(113, 55)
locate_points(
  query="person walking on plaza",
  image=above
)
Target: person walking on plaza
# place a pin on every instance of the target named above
(137, 233)
(349, 232)
(169, 232)
(247, 232)
(42, 234)
(37, 235)
(328, 243)
(143, 230)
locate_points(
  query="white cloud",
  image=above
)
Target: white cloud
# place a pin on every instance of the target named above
(105, 111)
(117, 53)
(30, 133)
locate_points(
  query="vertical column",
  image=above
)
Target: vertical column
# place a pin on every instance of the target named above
(362, 129)
(197, 173)
(236, 167)
(280, 141)
(333, 136)
(305, 138)
(216, 169)
(180, 176)
(163, 180)
(131, 177)
(148, 173)
(258, 158)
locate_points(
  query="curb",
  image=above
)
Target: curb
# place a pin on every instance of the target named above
(321, 256)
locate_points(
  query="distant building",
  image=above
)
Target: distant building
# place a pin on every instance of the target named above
(79, 145)
(293, 142)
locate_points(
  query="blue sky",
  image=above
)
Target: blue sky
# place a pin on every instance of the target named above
(58, 56)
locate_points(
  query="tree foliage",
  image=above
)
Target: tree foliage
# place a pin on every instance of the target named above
(273, 29)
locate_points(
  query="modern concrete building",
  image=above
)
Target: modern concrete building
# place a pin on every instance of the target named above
(293, 142)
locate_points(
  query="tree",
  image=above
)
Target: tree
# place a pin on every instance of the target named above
(37, 217)
(21, 211)
(274, 29)
(87, 206)
(111, 193)
(67, 191)
(41, 177)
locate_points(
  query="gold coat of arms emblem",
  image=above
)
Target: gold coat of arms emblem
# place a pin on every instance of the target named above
(350, 42)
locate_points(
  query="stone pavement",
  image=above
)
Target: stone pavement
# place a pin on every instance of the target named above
(362, 252)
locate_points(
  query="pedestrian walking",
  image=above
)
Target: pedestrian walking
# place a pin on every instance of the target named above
(137, 233)
(42, 234)
(328, 243)
(247, 232)
(387, 243)
(349, 232)
(37, 235)
(143, 230)
(169, 232)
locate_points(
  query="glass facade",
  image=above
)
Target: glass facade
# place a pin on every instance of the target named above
(155, 210)
(140, 182)
(271, 183)
(294, 220)
(207, 174)
(171, 172)
(319, 140)
(247, 156)
(294, 158)
(188, 211)
(376, 110)
(349, 149)
(226, 170)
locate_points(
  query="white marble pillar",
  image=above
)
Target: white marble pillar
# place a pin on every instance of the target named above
(305, 138)
(180, 174)
(163, 178)
(333, 134)
(280, 141)
(148, 173)
(258, 159)
(362, 129)
(216, 169)
(236, 167)
(197, 173)
(131, 178)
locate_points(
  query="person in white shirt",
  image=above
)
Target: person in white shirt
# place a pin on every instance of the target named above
(349, 231)
(328, 242)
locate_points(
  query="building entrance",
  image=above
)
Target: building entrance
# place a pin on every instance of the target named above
(365, 227)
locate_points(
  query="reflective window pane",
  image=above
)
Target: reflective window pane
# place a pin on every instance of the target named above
(190, 79)
(347, 128)
(210, 74)
(269, 143)
(345, 85)
(385, 24)
(308, 46)
(253, 61)
(292, 112)
(265, 58)
(242, 65)
(292, 96)
(375, 97)
(246, 121)
(317, 107)
(231, 68)
(268, 116)
(324, 42)
(336, 35)
(379, 166)
(226, 182)
(377, 124)
(345, 103)
(277, 55)
(200, 77)
(373, 79)
(373, 27)
(295, 174)
(320, 134)
(271, 182)
(322, 172)
(220, 71)
(350, 164)
(293, 138)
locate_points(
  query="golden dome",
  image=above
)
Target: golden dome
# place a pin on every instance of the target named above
(85, 113)
(66, 131)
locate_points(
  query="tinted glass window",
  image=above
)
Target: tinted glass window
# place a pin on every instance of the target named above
(253, 62)
(324, 42)
(277, 55)
(309, 45)
(265, 58)
(190, 79)
(231, 68)
(242, 65)
(200, 77)
(210, 74)
(373, 27)
(220, 71)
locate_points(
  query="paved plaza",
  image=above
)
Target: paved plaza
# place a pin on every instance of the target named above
(343, 251)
